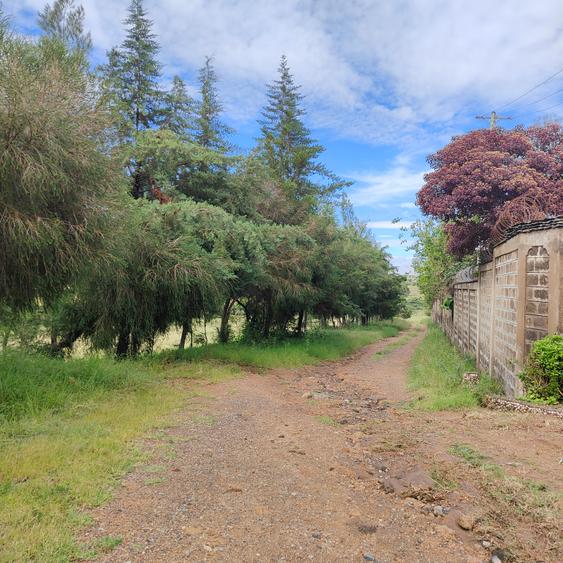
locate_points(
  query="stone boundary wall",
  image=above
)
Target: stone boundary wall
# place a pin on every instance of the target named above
(503, 306)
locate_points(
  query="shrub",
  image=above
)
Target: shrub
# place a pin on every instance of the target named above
(543, 373)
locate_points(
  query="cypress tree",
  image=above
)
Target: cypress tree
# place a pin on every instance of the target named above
(211, 132)
(286, 143)
(132, 73)
(130, 80)
(178, 110)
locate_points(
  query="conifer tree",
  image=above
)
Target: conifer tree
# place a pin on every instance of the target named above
(64, 21)
(286, 143)
(133, 71)
(211, 132)
(178, 110)
(130, 80)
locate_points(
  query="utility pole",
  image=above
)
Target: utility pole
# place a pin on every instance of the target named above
(493, 118)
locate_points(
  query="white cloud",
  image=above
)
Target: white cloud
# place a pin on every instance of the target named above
(403, 264)
(405, 73)
(388, 224)
(376, 187)
(407, 205)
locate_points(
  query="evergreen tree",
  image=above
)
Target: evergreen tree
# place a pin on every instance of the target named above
(178, 111)
(64, 21)
(133, 71)
(211, 132)
(130, 80)
(286, 143)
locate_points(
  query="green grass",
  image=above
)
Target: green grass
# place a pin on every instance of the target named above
(476, 459)
(67, 432)
(328, 420)
(68, 428)
(401, 341)
(108, 543)
(436, 373)
(328, 344)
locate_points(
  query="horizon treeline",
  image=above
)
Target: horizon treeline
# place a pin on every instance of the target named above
(126, 210)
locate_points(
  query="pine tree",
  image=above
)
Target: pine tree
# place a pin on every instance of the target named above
(64, 21)
(178, 110)
(286, 143)
(133, 71)
(211, 132)
(130, 79)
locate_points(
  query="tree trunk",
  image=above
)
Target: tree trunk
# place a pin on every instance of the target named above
(122, 345)
(300, 319)
(186, 328)
(135, 345)
(267, 321)
(224, 328)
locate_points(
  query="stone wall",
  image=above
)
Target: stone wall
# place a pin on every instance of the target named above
(502, 307)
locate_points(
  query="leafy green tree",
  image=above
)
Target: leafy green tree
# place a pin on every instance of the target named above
(62, 20)
(163, 268)
(211, 131)
(56, 184)
(433, 264)
(287, 146)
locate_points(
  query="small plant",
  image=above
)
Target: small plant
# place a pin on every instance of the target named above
(328, 420)
(543, 373)
(108, 543)
(476, 459)
(448, 303)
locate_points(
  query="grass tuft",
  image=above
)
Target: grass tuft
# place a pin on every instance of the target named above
(436, 373)
(108, 543)
(328, 420)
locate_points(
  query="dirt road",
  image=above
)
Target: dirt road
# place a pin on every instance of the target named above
(325, 463)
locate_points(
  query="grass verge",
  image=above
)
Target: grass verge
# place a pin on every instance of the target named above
(436, 373)
(67, 432)
(328, 344)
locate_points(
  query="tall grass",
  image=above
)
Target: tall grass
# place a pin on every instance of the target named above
(328, 344)
(436, 373)
(31, 384)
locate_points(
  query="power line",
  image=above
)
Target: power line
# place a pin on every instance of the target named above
(532, 89)
(547, 109)
(542, 110)
(545, 97)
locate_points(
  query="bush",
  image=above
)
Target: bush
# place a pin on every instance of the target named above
(543, 372)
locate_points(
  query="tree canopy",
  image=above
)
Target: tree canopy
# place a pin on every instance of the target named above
(487, 180)
(126, 211)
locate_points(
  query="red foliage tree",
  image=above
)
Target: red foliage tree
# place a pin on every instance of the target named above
(484, 181)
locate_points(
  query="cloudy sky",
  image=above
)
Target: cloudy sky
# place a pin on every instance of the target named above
(386, 82)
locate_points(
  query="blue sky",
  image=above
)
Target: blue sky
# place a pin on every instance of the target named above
(386, 82)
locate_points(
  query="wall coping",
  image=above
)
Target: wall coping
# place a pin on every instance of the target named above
(540, 225)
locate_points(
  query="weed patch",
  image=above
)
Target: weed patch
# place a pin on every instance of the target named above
(328, 420)
(516, 509)
(436, 374)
